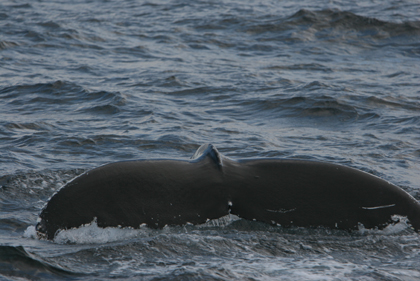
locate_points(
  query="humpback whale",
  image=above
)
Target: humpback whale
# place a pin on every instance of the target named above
(282, 192)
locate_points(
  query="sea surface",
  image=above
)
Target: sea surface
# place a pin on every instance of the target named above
(84, 83)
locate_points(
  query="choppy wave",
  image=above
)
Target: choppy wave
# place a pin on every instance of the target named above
(16, 262)
(339, 26)
(62, 97)
(331, 26)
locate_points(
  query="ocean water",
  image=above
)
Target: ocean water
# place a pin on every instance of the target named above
(84, 83)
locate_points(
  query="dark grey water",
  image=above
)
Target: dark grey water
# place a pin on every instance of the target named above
(83, 83)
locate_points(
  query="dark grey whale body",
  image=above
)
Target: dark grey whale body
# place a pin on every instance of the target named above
(275, 191)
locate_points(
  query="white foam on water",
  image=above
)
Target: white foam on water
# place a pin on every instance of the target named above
(93, 234)
(401, 224)
(30, 232)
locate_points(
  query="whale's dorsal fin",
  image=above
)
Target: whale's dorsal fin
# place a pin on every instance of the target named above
(208, 150)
